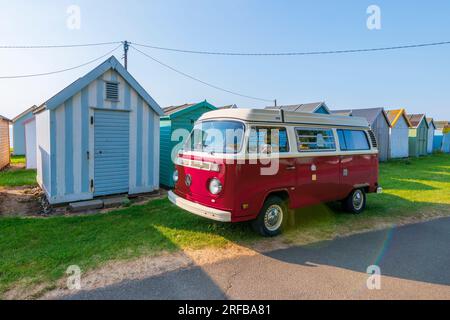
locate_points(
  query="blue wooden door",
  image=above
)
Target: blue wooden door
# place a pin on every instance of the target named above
(111, 152)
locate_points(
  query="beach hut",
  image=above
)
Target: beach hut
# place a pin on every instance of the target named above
(97, 137)
(446, 139)
(418, 135)
(19, 148)
(315, 107)
(379, 123)
(398, 134)
(442, 136)
(4, 142)
(30, 143)
(430, 138)
(176, 125)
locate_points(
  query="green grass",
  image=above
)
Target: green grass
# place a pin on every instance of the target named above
(34, 251)
(18, 160)
(17, 178)
(14, 177)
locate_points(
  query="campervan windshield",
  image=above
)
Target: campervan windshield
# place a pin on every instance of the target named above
(216, 137)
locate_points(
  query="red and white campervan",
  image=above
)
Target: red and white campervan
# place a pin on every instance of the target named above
(251, 164)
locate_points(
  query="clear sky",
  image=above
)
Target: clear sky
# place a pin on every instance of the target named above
(415, 79)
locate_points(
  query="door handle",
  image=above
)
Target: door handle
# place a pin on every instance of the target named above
(290, 168)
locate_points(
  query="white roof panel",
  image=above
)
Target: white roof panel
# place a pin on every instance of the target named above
(276, 116)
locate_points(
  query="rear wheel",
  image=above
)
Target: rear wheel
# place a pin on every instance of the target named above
(355, 202)
(272, 218)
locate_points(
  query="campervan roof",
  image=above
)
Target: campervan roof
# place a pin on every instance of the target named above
(279, 116)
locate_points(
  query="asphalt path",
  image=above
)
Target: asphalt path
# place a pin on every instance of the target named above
(413, 260)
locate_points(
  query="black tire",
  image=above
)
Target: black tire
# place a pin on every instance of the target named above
(263, 222)
(356, 202)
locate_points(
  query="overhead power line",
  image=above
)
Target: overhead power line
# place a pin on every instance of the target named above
(58, 46)
(198, 80)
(62, 70)
(305, 53)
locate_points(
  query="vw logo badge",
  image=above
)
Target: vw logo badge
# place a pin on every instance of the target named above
(188, 180)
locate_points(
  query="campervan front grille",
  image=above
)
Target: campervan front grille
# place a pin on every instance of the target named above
(373, 138)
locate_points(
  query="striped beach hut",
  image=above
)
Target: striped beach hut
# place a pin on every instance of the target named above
(418, 135)
(99, 136)
(398, 134)
(176, 124)
(19, 139)
(4, 142)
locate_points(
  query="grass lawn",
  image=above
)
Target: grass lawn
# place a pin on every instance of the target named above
(34, 251)
(16, 177)
(18, 160)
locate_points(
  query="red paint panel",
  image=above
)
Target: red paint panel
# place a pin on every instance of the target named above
(245, 183)
(358, 170)
(254, 182)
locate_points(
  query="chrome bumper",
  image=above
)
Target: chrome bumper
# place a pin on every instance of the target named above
(200, 210)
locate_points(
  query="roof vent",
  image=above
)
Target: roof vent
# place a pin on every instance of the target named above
(373, 139)
(112, 91)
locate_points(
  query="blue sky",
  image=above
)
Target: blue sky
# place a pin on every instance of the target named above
(417, 80)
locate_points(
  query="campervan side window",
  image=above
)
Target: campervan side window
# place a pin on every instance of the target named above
(353, 140)
(315, 140)
(268, 140)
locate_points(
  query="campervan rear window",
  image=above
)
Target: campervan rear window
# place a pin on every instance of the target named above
(315, 140)
(353, 140)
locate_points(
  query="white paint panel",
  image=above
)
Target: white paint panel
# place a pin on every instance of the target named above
(60, 150)
(30, 144)
(77, 143)
(43, 149)
(133, 140)
(145, 153)
(92, 94)
(122, 85)
(156, 150)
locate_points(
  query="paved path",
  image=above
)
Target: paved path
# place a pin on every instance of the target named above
(414, 262)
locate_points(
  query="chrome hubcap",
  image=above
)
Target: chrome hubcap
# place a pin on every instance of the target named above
(273, 218)
(358, 200)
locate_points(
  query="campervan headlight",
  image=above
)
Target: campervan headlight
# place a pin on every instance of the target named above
(175, 176)
(215, 186)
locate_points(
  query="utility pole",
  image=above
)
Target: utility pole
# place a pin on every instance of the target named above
(126, 46)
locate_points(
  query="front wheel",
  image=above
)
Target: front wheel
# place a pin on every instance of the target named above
(272, 218)
(355, 202)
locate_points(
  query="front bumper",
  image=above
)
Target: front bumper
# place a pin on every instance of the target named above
(200, 210)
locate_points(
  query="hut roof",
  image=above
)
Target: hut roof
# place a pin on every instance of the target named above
(4, 118)
(19, 116)
(175, 111)
(395, 115)
(441, 124)
(371, 114)
(79, 84)
(430, 122)
(416, 119)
